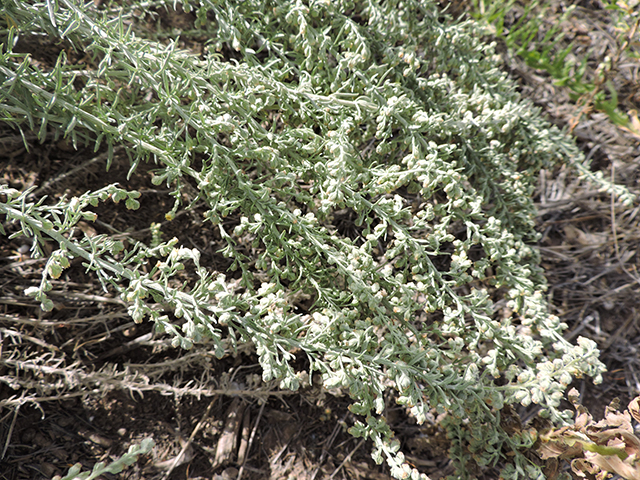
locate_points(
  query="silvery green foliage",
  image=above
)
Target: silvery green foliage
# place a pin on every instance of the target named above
(116, 466)
(378, 110)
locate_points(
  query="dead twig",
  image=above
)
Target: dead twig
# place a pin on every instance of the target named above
(10, 432)
(253, 435)
(614, 229)
(327, 446)
(346, 459)
(187, 444)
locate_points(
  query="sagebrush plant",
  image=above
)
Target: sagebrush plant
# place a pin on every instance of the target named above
(296, 113)
(114, 467)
